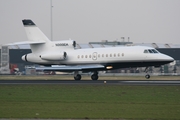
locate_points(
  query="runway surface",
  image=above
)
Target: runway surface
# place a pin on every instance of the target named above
(90, 82)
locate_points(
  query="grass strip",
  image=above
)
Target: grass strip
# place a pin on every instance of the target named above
(90, 101)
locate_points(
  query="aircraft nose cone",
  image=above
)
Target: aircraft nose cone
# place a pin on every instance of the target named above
(169, 59)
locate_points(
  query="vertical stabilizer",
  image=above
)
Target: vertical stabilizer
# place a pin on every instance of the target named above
(33, 32)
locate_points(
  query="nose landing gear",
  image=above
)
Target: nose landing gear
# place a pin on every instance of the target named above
(147, 76)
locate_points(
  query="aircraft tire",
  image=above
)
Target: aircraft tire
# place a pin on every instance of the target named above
(147, 76)
(77, 77)
(94, 77)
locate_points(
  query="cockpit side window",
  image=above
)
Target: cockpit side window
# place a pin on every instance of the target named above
(146, 51)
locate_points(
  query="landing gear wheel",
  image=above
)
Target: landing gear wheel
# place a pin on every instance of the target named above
(94, 77)
(147, 76)
(77, 77)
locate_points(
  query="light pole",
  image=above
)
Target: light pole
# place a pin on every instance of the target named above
(51, 19)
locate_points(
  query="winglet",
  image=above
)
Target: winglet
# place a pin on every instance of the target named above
(28, 22)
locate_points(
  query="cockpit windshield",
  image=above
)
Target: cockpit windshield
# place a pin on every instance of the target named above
(155, 51)
(151, 51)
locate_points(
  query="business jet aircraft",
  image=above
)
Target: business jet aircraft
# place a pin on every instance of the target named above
(64, 53)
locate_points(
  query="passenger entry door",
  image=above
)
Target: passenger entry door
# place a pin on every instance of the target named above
(94, 56)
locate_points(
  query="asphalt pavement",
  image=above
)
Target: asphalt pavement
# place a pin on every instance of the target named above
(91, 82)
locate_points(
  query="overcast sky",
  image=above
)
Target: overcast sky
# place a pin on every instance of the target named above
(144, 21)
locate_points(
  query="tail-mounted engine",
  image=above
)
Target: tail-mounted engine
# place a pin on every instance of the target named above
(57, 56)
(54, 56)
(51, 56)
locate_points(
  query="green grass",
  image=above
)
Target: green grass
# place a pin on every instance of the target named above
(90, 101)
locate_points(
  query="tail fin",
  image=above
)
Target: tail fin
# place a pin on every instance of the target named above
(33, 32)
(36, 36)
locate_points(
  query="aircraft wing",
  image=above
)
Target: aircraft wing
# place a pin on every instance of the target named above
(72, 68)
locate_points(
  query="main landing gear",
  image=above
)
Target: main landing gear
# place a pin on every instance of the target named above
(147, 76)
(94, 76)
(77, 77)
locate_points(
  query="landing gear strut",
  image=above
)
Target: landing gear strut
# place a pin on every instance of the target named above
(147, 76)
(95, 76)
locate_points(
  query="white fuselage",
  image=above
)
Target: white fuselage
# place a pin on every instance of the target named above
(108, 55)
(48, 52)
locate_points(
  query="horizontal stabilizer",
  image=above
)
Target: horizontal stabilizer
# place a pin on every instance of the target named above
(27, 42)
(72, 68)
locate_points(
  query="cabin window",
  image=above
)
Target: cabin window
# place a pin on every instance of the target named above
(102, 55)
(86, 56)
(78, 56)
(99, 55)
(118, 54)
(110, 55)
(106, 55)
(82, 56)
(114, 54)
(89, 56)
(122, 54)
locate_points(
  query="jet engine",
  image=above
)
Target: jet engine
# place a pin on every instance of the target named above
(47, 56)
(54, 56)
(30, 58)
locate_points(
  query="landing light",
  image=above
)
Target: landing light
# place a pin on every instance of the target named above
(109, 67)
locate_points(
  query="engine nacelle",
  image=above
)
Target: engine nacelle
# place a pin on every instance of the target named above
(31, 58)
(58, 56)
(54, 56)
